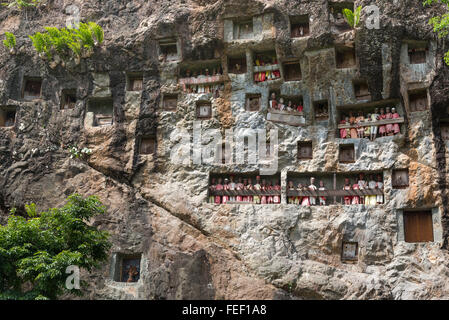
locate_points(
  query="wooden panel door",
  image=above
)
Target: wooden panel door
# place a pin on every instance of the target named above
(418, 226)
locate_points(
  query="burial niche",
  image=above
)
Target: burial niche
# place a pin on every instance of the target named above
(418, 226)
(299, 26)
(345, 57)
(444, 128)
(346, 153)
(321, 110)
(400, 178)
(266, 66)
(349, 251)
(417, 53)
(32, 88)
(147, 145)
(243, 29)
(292, 70)
(418, 100)
(370, 120)
(169, 102)
(168, 50)
(325, 188)
(237, 65)
(135, 82)
(68, 99)
(127, 267)
(244, 188)
(305, 150)
(253, 102)
(203, 110)
(7, 116)
(336, 17)
(101, 110)
(361, 91)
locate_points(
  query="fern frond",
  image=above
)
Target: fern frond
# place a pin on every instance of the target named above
(349, 16)
(10, 41)
(97, 31)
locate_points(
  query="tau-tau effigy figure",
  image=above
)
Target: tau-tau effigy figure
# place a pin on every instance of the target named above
(347, 187)
(312, 187)
(380, 186)
(322, 188)
(371, 200)
(212, 189)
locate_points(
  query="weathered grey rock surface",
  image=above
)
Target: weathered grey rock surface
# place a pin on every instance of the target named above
(157, 205)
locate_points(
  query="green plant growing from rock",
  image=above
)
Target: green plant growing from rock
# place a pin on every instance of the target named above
(10, 41)
(36, 250)
(440, 23)
(352, 18)
(21, 4)
(67, 43)
(76, 153)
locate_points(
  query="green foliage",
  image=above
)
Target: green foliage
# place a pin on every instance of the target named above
(76, 153)
(67, 42)
(10, 41)
(352, 18)
(35, 252)
(440, 24)
(22, 4)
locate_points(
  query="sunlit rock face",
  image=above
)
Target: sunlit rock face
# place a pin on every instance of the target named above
(158, 208)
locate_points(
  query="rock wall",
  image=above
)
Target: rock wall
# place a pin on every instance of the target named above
(158, 204)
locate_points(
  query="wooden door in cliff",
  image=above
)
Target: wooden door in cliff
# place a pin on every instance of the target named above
(418, 226)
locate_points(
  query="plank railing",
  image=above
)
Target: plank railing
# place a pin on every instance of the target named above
(371, 123)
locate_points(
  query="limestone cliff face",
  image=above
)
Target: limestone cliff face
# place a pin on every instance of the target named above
(157, 204)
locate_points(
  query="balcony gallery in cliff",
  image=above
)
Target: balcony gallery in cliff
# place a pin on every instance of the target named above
(256, 150)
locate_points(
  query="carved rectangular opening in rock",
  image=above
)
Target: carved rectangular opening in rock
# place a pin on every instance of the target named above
(292, 70)
(237, 65)
(334, 188)
(400, 179)
(265, 58)
(253, 102)
(236, 190)
(168, 49)
(305, 150)
(417, 53)
(369, 110)
(349, 251)
(203, 110)
(444, 128)
(418, 100)
(201, 76)
(243, 29)
(345, 57)
(7, 116)
(266, 66)
(299, 26)
(336, 17)
(127, 267)
(68, 99)
(169, 102)
(147, 145)
(32, 88)
(134, 82)
(418, 226)
(361, 91)
(346, 153)
(321, 110)
(102, 110)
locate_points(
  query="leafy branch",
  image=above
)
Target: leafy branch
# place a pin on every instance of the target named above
(440, 24)
(352, 18)
(68, 42)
